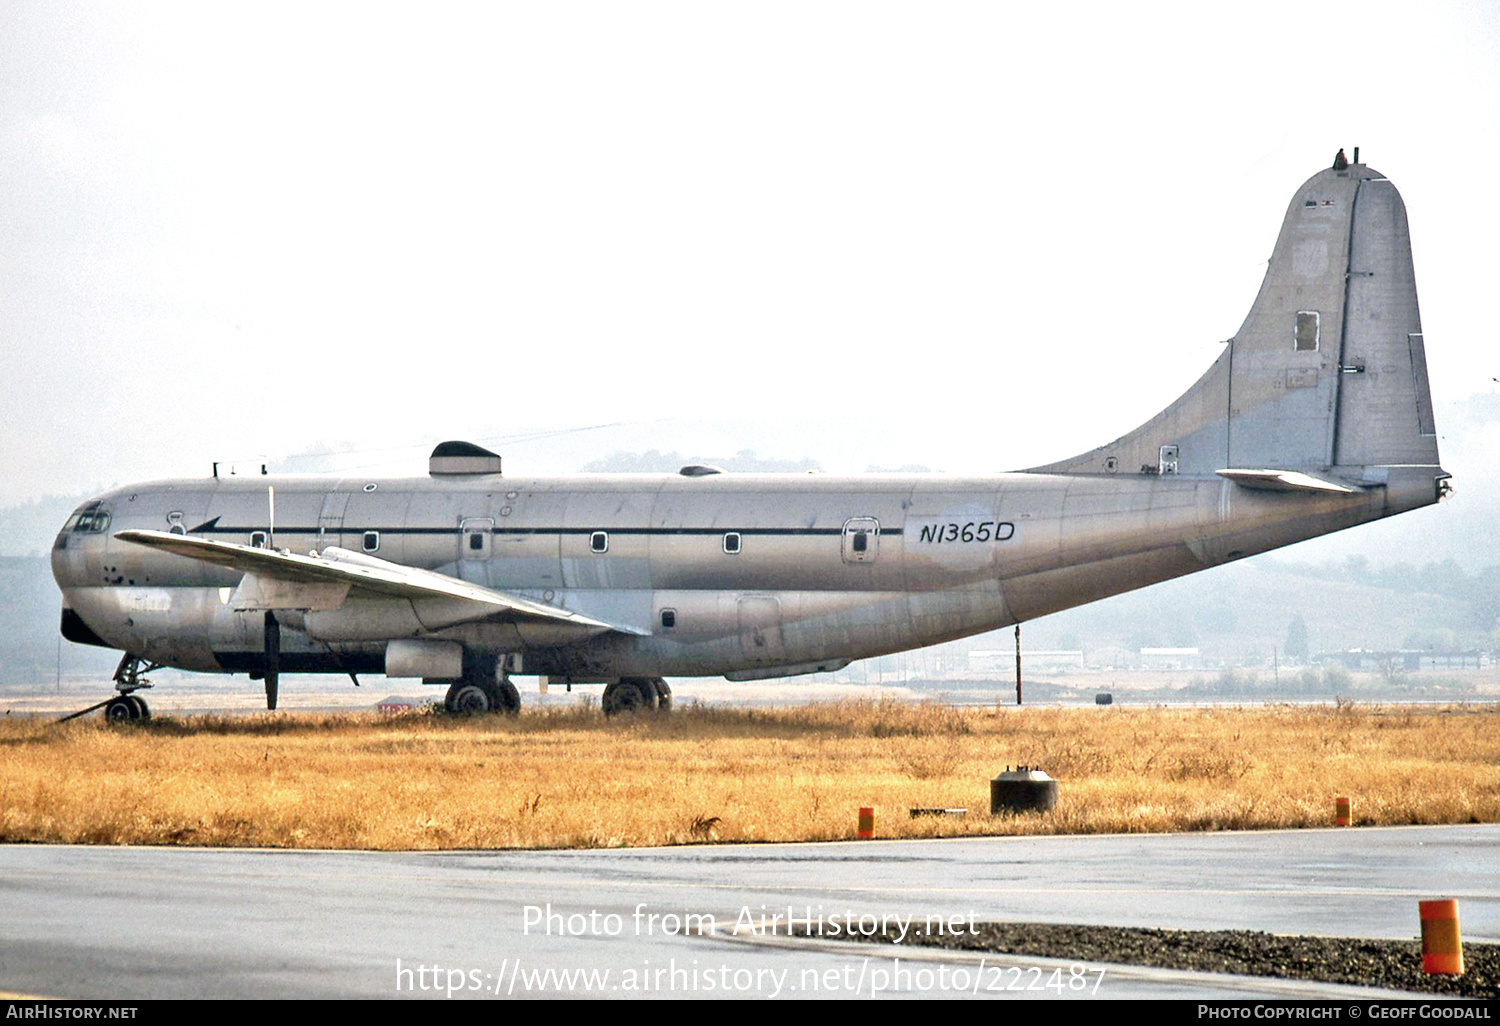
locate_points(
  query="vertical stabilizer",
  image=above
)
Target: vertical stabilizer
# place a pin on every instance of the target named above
(1327, 376)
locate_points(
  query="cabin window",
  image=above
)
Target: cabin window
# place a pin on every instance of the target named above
(258, 540)
(372, 541)
(1309, 330)
(476, 541)
(599, 541)
(860, 542)
(669, 618)
(732, 542)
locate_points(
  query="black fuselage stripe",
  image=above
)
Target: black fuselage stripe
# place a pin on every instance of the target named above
(658, 531)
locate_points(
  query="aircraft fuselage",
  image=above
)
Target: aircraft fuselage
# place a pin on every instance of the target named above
(746, 575)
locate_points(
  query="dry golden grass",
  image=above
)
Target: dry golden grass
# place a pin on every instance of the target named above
(569, 778)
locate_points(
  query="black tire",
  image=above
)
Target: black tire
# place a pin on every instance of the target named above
(630, 695)
(142, 710)
(663, 695)
(506, 698)
(468, 698)
(121, 709)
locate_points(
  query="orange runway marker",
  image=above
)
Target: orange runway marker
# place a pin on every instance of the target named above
(1442, 948)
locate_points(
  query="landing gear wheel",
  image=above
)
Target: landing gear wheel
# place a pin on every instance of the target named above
(663, 695)
(466, 698)
(123, 708)
(630, 695)
(143, 711)
(506, 699)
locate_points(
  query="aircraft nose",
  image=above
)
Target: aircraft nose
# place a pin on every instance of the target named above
(82, 535)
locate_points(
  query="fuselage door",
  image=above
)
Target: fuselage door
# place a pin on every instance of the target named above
(760, 629)
(861, 540)
(331, 519)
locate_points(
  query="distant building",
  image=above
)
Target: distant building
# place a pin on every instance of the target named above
(1170, 659)
(1408, 660)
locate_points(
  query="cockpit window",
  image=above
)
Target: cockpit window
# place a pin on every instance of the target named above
(87, 519)
(89, 522)
(62, 536)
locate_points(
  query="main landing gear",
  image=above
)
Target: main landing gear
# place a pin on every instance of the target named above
(479, 692)
(637, 694)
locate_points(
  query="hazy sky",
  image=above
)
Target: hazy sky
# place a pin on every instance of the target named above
(972, 236)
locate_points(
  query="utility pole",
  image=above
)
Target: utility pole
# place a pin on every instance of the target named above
(1018, 664)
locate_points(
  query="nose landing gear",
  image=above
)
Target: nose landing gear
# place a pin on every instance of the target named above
(130, 677)
(126, 707)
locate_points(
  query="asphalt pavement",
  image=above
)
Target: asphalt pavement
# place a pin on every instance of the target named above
(704, 921)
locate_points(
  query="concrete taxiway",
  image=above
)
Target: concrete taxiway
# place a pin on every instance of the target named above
(162, 922)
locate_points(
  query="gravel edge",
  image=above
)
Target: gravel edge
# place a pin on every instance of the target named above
(1393, 965)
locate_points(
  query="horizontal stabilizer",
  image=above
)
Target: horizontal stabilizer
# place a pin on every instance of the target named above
(289, 575)
(1285, 481)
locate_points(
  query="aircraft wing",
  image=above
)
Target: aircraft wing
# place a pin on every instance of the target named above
(323, 580)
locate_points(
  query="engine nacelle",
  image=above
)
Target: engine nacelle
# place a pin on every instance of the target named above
(433, 660)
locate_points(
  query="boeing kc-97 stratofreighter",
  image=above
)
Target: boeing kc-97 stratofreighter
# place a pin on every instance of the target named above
(1315, 417)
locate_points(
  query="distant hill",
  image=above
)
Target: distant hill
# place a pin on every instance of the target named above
(28, 530)
(1237, 614)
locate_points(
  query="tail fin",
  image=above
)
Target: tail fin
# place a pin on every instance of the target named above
(1327, 377)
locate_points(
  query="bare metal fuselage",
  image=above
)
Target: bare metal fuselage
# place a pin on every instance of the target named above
(943, 558)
